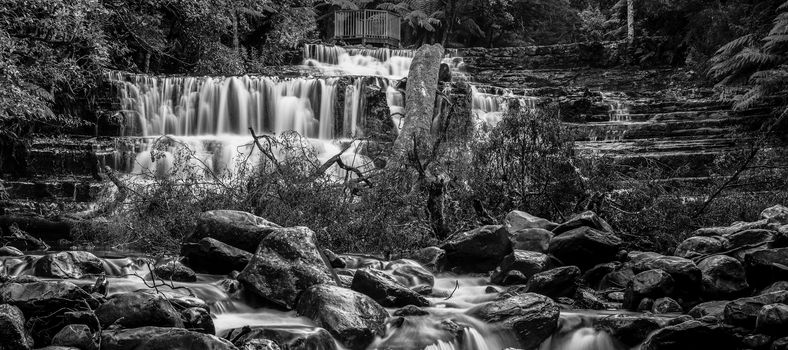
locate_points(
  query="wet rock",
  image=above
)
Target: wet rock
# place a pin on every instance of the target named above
(531, 317)
(175, 271)
(586, 299)
(161, 338)
(690, 335)
(776, 214)
(333, 259)
(260, 344)
(138, 309)
(76, 335)
(410, 310)
(558, 282)
(686, 275)
(715, 309)
(698, 246)
(532, 239)
(766, 266)
(431, 257)
(284, 337)
(743, 312)
(286, 263)
(617, 279)
(645, 305)
(198, 320)
(87, 318)
(385, 290)
(666, 305)
(774, 287)
(518, 220)
(478, 250)
(773, 320)
(647, 284)
(13, 335)
(45, 297)
(584, 219)
(723, 277)
(209, 255)
(351, 317)
(748, 241)
(593, 276)
(237, 228)
(528, 263)
(10, 251)
(630, 329)
(410, 273)
(585, 247)
(756, 342)
(68, 265)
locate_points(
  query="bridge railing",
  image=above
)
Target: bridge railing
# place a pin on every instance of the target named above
(367, 26)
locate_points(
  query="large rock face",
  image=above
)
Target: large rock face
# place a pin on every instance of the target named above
(723, 277)
(528, 263)
(743, 312)
(478, 250)
(691, 335)
(286, 263)
(158, 338)
(777, 214)
(237, 228)
(584, 219)
(283, 337)
(138, 309)
(209, 255)
(351, 317)
(585, 247)
(13, 335)
(685, 273)
(630, 329)
(518, 220)
(766, 266)
(45, 297)
(68, 265)
(773, 320)
(532, 239)
(531, 317)
(384, 289)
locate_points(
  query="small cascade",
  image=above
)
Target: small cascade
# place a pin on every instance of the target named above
(336, 60)
(619, 110)
(576, 332)
(490, 103)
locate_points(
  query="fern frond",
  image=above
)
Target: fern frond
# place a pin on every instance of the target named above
(735, 45)
(749, 99)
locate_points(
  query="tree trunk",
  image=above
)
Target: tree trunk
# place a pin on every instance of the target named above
(452, 16)
(235, 32)
(630, 22)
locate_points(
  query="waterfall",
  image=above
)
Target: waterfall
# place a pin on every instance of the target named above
(490, 103)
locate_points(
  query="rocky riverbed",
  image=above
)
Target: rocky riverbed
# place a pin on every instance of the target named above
(243, 282)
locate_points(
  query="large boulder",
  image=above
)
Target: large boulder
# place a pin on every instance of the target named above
(773, 320)
(715, 309)
(585, 247)
(648, 284)
(46, 297)
(478, 250)
(68, 265)
(198, 319)
(526, 262)
(691, 335)
(13, 335)
(533, 239)
(743, 312)
(284, 337)
(161, 338)
(766, 266)
(686, 274)
(286, 263)
(584, 219)
(209, 255)
(138, 309)
(385, 290)
(774, 287)
(555, 283)
(723, 277)
(78, 336)
(433, 258)
(630, 329)
(699, 246)
(518, 220)
(352, 318)
(531, 317)
(666, 305)
(776, 214)
(748, 241)
(237, 228)
(176, 271)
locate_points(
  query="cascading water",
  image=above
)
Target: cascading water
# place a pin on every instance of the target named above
(490, 103)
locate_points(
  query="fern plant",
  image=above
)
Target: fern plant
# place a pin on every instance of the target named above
(760, 61)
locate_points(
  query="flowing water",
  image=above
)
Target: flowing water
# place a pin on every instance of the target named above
(447, 327)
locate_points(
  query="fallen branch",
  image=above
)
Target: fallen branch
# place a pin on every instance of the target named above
(456, 286)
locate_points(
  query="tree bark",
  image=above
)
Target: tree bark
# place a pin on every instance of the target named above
(630, 22)
(235, 32)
